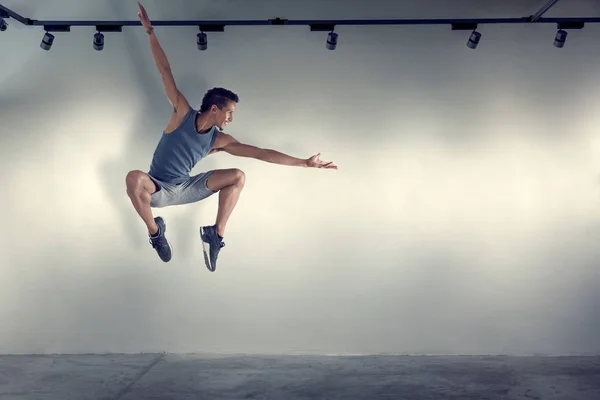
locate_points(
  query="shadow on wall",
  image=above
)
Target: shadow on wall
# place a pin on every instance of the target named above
(144, 138)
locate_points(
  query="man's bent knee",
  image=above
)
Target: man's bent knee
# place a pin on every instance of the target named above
(240, 177)
(138, 182)
(223, 178)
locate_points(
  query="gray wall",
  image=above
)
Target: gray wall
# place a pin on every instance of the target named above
(464, 218)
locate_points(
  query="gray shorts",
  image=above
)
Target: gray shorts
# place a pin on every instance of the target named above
(190, 191)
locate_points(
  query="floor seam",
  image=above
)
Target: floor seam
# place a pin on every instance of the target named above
(140, 376)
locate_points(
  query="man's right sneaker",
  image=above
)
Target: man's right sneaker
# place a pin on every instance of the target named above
(211, 245)
(159, 241)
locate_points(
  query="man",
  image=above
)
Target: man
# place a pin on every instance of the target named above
(190, 136)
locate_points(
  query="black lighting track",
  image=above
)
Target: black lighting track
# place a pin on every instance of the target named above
(317, 25)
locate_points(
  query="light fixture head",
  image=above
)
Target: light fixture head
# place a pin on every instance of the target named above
(98, 41)
(47, 41)
(474, 40)
(332, 40)
(201, 41)
(560, 39)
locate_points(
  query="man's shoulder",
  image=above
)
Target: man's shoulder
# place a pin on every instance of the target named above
(222, 139)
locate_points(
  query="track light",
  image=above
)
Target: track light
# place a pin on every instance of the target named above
(474, 40)
(98, 41)
(564, 25)
(468, 26)
(559, 40)
(99, 36)
(3, 23)
(332, 40)
(201, 41)
(561, 35)
(47, 41)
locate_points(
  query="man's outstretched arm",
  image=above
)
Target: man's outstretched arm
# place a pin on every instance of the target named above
(176, 99)
(236, 148)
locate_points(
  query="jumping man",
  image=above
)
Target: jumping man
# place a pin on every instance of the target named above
(190, 136)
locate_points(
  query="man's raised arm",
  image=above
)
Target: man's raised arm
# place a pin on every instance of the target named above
(177, 100)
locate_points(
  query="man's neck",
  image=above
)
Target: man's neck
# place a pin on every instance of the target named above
(202, 124)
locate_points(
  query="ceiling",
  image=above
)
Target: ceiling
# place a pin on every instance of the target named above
(297, 9)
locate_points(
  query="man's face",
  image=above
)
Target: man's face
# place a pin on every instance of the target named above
(224, 116)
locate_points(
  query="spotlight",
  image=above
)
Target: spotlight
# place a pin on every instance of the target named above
(468, 26)
(201, 41)
(474, 40)
(3, 25)
(561, 35)
(332, 40)
(98, 41)
(47, 41)
(559, 40)
(99, 36)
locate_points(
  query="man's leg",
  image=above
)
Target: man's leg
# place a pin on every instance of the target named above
(140, 189)
(229, 183)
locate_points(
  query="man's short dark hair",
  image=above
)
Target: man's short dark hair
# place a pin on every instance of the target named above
(218, 96)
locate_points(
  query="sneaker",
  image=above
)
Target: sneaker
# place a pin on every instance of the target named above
(211, 244)
(159, 241)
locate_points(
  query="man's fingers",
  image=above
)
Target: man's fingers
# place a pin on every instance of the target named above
(316, 163)
(328, 165)
(142, 12)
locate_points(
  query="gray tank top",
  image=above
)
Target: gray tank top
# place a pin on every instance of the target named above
(179, 151)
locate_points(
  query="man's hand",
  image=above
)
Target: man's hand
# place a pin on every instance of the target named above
(144, 18)
(314, 162)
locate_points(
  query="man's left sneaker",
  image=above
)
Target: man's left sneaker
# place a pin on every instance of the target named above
(211, 244)
(159, 242)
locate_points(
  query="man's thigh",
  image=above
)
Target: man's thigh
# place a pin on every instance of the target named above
(190, 191)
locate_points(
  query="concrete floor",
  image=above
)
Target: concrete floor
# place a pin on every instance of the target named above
(171, 376)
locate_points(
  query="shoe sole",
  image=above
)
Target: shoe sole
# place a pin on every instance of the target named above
(206, 250)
